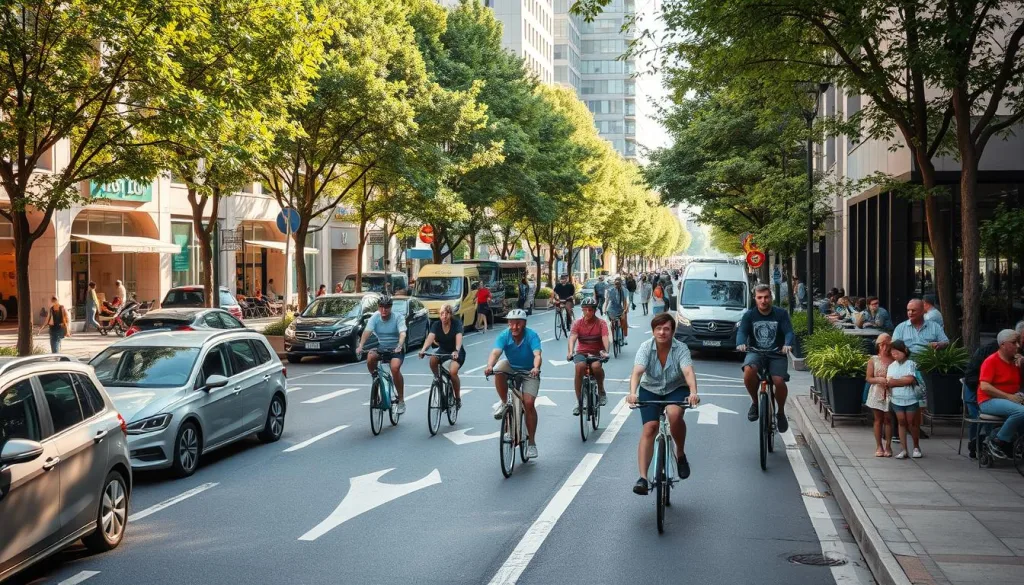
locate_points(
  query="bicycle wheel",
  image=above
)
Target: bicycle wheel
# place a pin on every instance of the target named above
(660, 481)
(559, 323)
(763, 429)
(585, 410)
(669, 460)
(771, 423)
(615, 338)
(453, 412)
(524, 437)
(595, 406)
(434, 408)
(376, 413)
(393, 411)
(506, 445)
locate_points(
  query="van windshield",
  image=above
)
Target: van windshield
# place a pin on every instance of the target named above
(713, 293)
(373, 283)
(438, 287)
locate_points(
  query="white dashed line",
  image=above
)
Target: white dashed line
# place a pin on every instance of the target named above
(326, 397)
(170, 502)
(312, 440)
(82, 576)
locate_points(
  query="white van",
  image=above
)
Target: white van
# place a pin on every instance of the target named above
(714, 296)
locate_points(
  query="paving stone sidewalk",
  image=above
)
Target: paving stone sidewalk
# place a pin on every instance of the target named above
(939, 519)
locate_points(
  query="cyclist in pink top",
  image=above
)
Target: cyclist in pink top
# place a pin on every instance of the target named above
(589, 337)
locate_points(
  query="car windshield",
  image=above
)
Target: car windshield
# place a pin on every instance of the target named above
(370, 284)
(336, 307)
(439, 287)
(184, 298)
(489, 276)
(145, 367)
(713, 293)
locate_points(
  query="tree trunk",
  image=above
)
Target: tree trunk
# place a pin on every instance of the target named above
(472, 244)
(22, 254)
(937, 239)
(969, 236)
(299, 245)
(201, 231)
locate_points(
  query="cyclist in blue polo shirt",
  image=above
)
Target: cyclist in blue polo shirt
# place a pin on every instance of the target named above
(521, 347)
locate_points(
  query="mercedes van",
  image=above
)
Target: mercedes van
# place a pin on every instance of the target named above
(715, 293)
(455, 284)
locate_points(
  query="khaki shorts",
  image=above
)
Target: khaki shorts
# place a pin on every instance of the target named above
(531, 386)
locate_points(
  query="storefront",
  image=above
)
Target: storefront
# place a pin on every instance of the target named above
(343, 251)
(187, 265)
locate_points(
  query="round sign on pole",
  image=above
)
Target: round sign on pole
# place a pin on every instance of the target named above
(427, 234)
(755, 258)
(290, 216)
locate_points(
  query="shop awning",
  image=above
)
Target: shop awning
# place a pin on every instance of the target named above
(279, 246)
(419, 254)
(131, 244)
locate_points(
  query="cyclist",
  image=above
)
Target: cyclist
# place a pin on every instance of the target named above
(446, 334)
(616, 306)
(766, 328)
(521, 347)
(600, 287)
(662, 370)
(564, 293)
(390, 331)
(593, 337)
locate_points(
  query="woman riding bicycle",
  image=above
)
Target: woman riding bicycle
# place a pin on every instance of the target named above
(446, 333)
(662, 371)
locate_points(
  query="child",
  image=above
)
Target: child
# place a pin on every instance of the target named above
(879, 394)
(902, 379)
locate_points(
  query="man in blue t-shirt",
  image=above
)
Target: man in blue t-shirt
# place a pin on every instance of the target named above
(390, 330)
(766, 328)
(521, 347)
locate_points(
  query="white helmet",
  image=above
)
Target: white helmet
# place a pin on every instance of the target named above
(516, 314)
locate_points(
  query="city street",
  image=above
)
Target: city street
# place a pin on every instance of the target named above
(331, 503)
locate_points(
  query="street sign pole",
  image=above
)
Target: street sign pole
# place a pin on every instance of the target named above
(289, 268)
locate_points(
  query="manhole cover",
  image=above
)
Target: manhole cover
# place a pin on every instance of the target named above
(817, 560)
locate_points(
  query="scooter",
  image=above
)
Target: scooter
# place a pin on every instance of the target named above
(121, 320)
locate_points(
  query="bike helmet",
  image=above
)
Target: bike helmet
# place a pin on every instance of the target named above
(589, 302)
(516, 314)
(385, 301)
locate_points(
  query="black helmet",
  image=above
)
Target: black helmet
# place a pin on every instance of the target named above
(385, 301)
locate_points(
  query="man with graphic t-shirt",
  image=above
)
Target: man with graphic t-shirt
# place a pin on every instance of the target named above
(766, 328)
(589, 337)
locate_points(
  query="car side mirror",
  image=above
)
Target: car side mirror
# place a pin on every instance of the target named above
(20, 451)
(215, 381)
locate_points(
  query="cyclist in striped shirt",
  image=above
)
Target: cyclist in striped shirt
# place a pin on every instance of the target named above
(589, 336)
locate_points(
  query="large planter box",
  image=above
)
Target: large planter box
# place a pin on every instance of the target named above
(277, 342)
(542, 303)
(847, 394)
(944, 392)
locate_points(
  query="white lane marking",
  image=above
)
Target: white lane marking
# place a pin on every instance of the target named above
(547, 340)
(407, 398)
(531, 542)
(312, 440)
(544, 401)
(477, 342)
(170, 502)
(293, 389)
(324, 371)
(707, 414)
(460, 437)
(716, 376)
(365, 493)
(334, 385)
(621, 412)
(330, 395)
(476, 369)
(559, 362)
(82, 576)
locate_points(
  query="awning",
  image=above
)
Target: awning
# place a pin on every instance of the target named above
(132, 244)
(279, 246)
(419, 254)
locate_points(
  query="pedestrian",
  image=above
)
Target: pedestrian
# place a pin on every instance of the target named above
(321, 291)
(801, 293)
(919, 335)
(631, 288)
(92, 307)
(337, 288)
(122, 292)
(901, 378)
(645, 293)
(271, 293)
(59, 322)
(524, 291)
(599, 289)
(875, 316)
(483, 309)
(878, 395)
(999, 395)
(658, 302)
(931, 311)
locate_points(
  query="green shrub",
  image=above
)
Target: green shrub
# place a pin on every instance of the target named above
(11, 351)
(828, 337)
(278, 327)
(838, 361)
(950, 359)
(544, 293)
(799, 320)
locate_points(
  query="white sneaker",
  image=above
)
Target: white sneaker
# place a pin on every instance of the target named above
(400, 408)
(499, 411)
(902, 455)
(531, 452)
(917, 454)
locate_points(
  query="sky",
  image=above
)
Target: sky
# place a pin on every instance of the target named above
(650, 133)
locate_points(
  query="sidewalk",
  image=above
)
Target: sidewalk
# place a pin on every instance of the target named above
(939, 519)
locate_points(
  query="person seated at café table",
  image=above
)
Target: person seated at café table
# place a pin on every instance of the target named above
(875, 316)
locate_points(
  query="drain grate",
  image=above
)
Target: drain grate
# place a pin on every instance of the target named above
(816, 560)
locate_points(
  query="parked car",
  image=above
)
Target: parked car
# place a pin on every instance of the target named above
(587, 290)
(331, 325)
(186, 393)
(193, 297)
(374, 282)
(64, 469)
(185, 320)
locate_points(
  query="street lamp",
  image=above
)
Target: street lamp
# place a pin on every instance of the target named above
(813, 91)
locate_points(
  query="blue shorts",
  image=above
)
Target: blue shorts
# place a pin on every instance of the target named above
(653, 412)
(400, 356)
(908, 409)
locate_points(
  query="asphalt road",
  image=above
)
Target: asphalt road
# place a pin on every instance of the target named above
(330, 503)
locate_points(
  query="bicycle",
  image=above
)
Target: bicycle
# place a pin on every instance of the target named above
(513, 430)
(442, 395)
(664, 458)
(561, 327)
(378, 401)
(616, 336)
(590, 400)
(766, 406)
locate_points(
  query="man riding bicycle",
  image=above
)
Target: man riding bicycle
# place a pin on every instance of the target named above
(767, 328)
(600, 287)
(446, 333)
(565, 293)
(390, 331)
(589, 337)
(521, 347)
(616, 306)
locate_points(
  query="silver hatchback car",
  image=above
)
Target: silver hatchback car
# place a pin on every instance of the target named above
(64, 469)
(186, 393)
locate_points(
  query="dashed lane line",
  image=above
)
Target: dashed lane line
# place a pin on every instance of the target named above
(312, 440)
(170, 502)
(330, 395)
(81, 576)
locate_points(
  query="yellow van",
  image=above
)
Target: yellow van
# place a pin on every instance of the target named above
(455, 284)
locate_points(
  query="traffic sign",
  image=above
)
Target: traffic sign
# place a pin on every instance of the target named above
(755, 258)
(427, 234)
(288, 215)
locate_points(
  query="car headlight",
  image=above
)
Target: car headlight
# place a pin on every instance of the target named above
(682, 320)
(149, 425)
(344, 331)
(289, 331)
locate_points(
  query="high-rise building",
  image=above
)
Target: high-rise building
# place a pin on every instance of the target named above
(567, 61)
(527, 31)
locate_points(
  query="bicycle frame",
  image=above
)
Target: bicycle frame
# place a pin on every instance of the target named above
(384, 371)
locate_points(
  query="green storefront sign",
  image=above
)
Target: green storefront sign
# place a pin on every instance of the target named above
(122, 190)
(180, 261)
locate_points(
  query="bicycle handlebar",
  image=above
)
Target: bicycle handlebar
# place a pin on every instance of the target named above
(517, 375)
(684, 403)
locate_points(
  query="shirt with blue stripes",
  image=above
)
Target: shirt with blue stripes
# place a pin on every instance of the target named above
(658, 379)
(917, 340)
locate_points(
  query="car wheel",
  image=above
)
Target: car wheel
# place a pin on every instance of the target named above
(274, 427)
(186, 450)
(112, 515)
(294, 359)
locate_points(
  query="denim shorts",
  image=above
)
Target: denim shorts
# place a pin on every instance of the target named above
(909, 408)
(653, 412)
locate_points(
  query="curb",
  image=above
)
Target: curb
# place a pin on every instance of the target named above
(882, 562)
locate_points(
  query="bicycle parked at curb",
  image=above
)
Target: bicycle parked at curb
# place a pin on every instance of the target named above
(766, 405)
(664, 459)
(513, 430)
(590, 400)
(383, 394)
(442, 394)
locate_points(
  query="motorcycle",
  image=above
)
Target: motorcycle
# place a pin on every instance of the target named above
(121, 320)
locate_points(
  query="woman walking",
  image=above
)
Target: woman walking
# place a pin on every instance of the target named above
(59, 322)
(879, 394)
(645, 293)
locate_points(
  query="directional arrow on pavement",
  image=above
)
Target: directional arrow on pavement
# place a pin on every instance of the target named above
(559, 362)
(365, 493)
(544, 401)
(460, 437)
(708, 413)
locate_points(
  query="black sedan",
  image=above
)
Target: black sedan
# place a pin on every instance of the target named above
(185, 319)
(332, 324)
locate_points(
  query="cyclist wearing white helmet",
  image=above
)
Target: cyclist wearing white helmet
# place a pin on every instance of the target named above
(521, 347)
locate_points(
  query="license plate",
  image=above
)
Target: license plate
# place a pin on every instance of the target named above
(313, 345)
(712, 343)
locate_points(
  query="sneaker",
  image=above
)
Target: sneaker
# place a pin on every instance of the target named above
(400, 408)
(531, 452)
(684, 467)
(902, 455)
(602, 400)
(576, 410)
(506, 438)
(499, 411)
(996, 449)
(624, 342)
(781, 422)
(458, 404)
(752, 412)
(641, 487)
(917, 454)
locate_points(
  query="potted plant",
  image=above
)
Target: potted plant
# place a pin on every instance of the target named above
(941, 370)
(543, 297)
(275, 332)
(843, 367)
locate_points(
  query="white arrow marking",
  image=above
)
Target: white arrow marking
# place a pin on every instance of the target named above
(170, 502)
(310, 441)
(544, 401)
(82, 576)
(326, 397)
(365, 493)
(559, 362)
(708, 413)
(460, 437)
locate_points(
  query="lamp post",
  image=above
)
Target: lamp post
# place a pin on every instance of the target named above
(813, 91)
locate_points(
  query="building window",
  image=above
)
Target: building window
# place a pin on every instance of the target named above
(630, 108)
(602, 25)
(593, 86)
(605, 46)
(605, 106)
